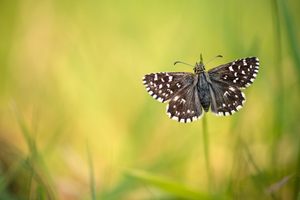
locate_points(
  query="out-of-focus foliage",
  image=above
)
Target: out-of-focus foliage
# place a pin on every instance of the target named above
(77, 123)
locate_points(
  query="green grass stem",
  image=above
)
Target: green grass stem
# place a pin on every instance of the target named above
(279, 92)
(206, 152)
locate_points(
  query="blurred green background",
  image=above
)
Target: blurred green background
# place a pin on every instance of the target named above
(77, 123)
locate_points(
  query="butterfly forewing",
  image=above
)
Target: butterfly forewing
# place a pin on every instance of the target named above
(164, 85)
(185, 105)
(240, 73)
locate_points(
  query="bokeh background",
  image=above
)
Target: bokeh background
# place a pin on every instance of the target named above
(77, 123)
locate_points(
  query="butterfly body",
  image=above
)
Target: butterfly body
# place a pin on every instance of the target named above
(217, 89)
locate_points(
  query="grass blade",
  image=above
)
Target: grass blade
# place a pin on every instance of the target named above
(206, 152)
(174, 188)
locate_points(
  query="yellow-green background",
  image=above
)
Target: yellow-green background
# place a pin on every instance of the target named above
(77, 123)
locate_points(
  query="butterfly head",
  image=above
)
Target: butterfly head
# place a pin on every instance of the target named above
(199, 67)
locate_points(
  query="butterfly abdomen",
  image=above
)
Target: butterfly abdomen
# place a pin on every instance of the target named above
(203, 91)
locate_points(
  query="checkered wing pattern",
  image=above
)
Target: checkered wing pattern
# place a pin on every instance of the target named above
(227, 80)
(185, 105)
(226, 99)
(240, 73)
(164, 85)
(179, 88)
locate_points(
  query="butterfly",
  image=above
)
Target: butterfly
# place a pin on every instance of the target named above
(188, 94)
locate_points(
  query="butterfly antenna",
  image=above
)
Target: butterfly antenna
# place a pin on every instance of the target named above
(218, 56)
(182, 63)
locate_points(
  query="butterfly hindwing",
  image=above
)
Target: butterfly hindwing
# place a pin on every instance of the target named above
(226, 99)
(164, 85)
(240, 73)
(185, 105)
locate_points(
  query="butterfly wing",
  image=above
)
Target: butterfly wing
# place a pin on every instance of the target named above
(226, 81)
(226, 99)
(185, 105)
(240, 73)
(179, 88)
(164, 85)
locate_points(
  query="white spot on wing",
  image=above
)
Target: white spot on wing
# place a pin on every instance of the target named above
(160, 99)
(176, 98)
(232, 89)
(170, 91)
(174, 118)
(167, 108)
(243, 95)
(226, 93)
